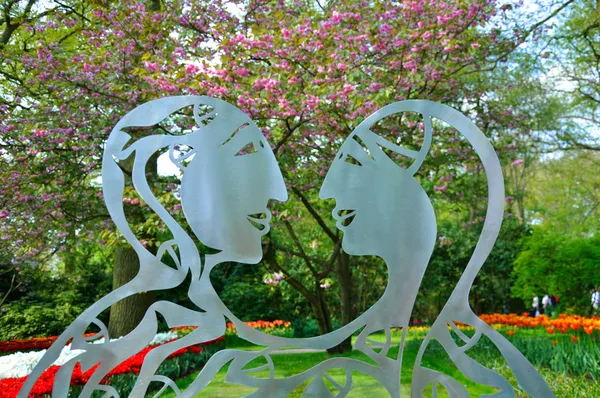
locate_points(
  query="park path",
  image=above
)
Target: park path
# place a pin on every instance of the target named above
(297, 351)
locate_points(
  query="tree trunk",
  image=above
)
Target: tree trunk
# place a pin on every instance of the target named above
(321, 313)
(345, 280)
(323, 318)
(477, 304)
(317, 301)
(126, 314)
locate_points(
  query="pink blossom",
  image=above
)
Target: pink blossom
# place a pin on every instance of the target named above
(242, 72)
(152, 67)
(192, 69)
(517, 162)
(374, 87)
(385, 28)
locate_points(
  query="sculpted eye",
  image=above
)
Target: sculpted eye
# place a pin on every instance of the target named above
(247, 149)
(356, 152)
(364, 146)
(350, 159)
(228, 140)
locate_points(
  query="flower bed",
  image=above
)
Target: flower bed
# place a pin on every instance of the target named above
(566, 344)
(122, 377)
(569, 344)
(35, 343)
(275, 328)
(19, 364)
(563, 323)
(21, 356)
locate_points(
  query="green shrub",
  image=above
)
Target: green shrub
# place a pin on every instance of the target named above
(23, 318)
(309, 327)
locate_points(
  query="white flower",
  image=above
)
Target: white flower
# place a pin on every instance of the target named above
(20, 364)
(163, 337)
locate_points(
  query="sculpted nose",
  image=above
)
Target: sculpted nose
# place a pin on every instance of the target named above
(330, 184)
(278, 189)
(326, 191)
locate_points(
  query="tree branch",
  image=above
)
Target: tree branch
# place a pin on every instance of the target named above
(296, 284)
(290, 131)
(297, 254)
(10, 289)
(299, 246)
(315, 215)
(331, 260)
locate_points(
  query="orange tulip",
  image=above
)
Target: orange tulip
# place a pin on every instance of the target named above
(510, 333)
(554, 342)
(574, 339)
(550, 330)
(575, 326)
(588, 329)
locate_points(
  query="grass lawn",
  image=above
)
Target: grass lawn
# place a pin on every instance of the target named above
(563, 385)
(362, 385)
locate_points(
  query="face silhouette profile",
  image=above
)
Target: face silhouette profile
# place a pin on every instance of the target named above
(226, 186)
(380, 207)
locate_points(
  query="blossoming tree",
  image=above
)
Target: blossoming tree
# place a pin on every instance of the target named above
(307, 71)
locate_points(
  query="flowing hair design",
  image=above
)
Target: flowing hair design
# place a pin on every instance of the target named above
(380, 207)
(153, 274)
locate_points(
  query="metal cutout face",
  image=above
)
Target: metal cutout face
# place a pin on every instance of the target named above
(225, 190)
(229, 176)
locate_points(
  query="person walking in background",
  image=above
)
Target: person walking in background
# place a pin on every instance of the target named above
(596, 301)
(535, 304)
(547, 304)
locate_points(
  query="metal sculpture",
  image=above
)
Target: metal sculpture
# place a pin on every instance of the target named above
(380, 207)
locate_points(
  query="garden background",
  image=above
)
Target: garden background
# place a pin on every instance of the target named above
(308, 72)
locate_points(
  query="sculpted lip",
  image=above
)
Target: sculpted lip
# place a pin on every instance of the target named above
(260, 221)
(344, 217)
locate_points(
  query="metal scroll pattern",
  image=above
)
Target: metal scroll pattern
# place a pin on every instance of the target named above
(222, 191)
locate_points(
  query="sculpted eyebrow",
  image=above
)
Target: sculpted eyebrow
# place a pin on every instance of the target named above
(234, 133)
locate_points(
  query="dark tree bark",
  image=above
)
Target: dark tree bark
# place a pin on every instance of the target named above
(346, 289)
(126, 314)
(316, 298)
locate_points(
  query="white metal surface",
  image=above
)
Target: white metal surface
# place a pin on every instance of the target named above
(223, 190)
